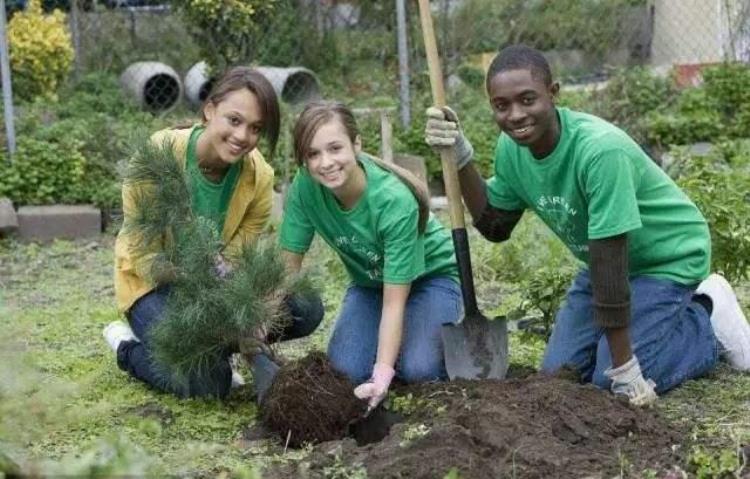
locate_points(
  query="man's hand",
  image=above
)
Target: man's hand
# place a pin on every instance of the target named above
(442, 130)
(376, 388)
(627, 380)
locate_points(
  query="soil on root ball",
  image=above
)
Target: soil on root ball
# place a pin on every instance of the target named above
(535, 427)
(310, 402)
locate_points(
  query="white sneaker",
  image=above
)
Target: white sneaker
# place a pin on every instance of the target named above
(116, 332)
(729, 323)
(237, 380)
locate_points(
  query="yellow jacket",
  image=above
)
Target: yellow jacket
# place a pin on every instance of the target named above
(247, 214)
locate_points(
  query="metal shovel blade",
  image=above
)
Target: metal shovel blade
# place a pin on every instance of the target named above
(476, 348)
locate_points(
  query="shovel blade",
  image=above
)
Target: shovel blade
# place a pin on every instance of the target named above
(476, 348)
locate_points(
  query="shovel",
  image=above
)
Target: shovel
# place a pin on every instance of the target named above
(475, 348)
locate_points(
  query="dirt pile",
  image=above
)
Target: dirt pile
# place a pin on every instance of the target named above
(535, 427)
(309, 402)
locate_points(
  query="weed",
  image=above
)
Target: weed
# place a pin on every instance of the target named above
(412, 433)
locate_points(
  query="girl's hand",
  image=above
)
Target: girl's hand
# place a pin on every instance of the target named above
(222, 267)
(376, 388)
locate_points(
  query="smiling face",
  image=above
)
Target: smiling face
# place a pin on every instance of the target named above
(523, 107)
(331, 157)
(233, 126)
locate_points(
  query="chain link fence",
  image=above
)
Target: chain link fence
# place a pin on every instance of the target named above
(352, 50)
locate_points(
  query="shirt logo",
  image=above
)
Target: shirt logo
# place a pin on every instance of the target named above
(561, 217)
(353, 247)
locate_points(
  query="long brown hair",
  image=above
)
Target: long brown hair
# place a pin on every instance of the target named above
(237, 78)
(318, 113)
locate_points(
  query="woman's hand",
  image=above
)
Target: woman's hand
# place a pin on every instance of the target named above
(376, 389)
(222, 267)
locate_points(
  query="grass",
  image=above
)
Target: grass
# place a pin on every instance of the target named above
(65, 407)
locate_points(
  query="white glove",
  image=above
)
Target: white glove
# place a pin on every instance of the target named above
(376, 388)
(443, 130)
(627, 380)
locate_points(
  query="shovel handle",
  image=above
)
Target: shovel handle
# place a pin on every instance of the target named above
(447, 155)
(450, 171)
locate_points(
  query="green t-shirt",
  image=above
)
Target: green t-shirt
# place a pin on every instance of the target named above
(599, 183)
(377, 239)
(209, 200)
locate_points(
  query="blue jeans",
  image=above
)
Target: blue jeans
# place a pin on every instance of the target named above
(353, 346)
(135, 357)
(670, 333)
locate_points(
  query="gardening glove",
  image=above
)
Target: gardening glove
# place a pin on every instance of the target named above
(222, 267)
(443, 130)
(627, 380)
(376, 388)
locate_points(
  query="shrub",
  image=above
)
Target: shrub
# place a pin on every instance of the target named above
(41, 54)
(227, 31)
(719, 109)
(631, 95)
(722, 193)
(44, 172)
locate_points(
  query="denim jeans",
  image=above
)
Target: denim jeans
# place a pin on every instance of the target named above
(670, 333)
(353, 346)
(135, 358)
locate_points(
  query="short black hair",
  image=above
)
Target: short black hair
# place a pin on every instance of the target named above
(520, 57)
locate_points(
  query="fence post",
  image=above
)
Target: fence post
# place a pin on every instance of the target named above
(10, 129)
(76, 37)
(403, 65)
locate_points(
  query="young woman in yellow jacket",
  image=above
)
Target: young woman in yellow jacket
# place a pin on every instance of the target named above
(231, 184)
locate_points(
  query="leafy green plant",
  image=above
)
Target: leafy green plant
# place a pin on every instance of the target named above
(340, 470)
(410, 404)
(717, 110)
(45, 172)
(227, 31)
(630, 95)
(722, 193)
(541, 295)
(412, 433)
(706, 464)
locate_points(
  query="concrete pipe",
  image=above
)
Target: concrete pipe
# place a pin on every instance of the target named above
(294, 84)
(197, 84)
(156, 87)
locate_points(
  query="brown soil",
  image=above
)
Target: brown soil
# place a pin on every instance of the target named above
(309, 402)
(537, 427)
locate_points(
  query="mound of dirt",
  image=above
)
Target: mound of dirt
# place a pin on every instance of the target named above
(310, 402)
(537, 427)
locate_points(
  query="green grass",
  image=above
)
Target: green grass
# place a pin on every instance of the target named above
(65, 407)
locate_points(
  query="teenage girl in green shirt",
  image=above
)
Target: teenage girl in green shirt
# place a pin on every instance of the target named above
(399, 258)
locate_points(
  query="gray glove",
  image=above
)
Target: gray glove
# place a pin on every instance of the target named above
(443, 130)
(627, 380)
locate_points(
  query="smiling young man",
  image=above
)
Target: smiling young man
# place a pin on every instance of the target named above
(643, 315)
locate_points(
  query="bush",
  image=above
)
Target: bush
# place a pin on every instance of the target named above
(631, 95)
(227, 31)
(44, 172)
(41, 54)
(717, 110)
(720, 185)
(69, 150)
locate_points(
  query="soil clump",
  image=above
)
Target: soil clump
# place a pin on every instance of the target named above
(310, 402)
(532, 427)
